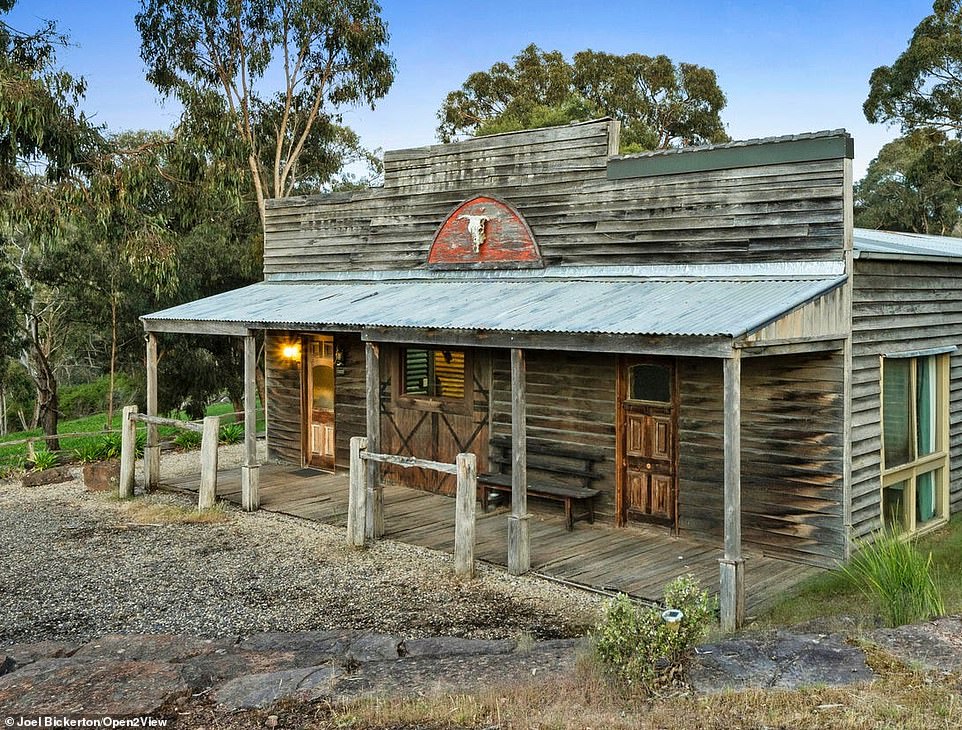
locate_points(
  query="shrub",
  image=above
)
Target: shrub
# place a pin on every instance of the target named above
(894, 573)
(187, 440)
(636, 646)
(44, 459)
(89, 451)
(87, 399)
(110, 446)
(231, 433)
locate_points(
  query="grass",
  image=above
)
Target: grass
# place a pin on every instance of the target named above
(95, 425)
(150, 510)
(831, 595)
(899, 577)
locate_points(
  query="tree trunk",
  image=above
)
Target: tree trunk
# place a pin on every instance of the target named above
(3, 411)
(113, 359)
(45, 381)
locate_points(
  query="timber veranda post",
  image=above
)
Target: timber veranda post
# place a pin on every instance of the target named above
(250, 471)
(152, 450)
(519, 551)
(375, 496)
(732, 566)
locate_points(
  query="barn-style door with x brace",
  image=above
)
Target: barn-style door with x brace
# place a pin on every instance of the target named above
(434, 405)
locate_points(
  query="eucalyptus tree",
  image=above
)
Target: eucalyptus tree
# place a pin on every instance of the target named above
(217, 59)
(922, 88)
(659, 103)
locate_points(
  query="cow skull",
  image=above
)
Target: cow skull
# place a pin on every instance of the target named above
(476, 225)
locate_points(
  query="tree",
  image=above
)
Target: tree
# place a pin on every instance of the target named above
(214, 57)
(923, 87)
(44, 139)
(915, 185)
(659, 103)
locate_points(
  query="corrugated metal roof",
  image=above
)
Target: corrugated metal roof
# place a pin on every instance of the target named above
(735, 144)
(893, 243)
(642, 307)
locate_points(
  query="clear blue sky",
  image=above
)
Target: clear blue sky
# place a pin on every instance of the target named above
(786, 67)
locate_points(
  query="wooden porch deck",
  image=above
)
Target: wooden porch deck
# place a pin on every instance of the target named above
(637, 560)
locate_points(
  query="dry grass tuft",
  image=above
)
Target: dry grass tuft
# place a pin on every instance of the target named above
(151, 511)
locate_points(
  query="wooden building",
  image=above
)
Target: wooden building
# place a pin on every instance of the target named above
(703, 325)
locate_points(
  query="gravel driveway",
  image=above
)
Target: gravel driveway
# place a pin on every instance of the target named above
(77, 565)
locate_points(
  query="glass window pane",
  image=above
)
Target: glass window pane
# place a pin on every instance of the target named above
(649, 382)
(893, 505)
(897, 411)
(926, 496)
(926, 406)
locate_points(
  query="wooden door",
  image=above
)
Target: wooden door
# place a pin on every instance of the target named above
(648, 441)
(319, 397)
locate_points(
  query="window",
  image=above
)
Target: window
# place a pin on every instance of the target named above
(649, 382)
(432, 373)
(915, 424)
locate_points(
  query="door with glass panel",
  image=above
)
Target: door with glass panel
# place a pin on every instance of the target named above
(647, 440)
(319, 397)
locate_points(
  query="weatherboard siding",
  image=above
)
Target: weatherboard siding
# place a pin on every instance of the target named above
(570, 402)
(283, 385)
(791, 455)
(899, 306)
(557, 179)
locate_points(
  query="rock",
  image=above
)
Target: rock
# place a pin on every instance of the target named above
(261, 690)
(150, 647)
(807, 660)
(933, 645)
(777, 659)
(453, 673)
(330, 643)
(453, 645)
(372, 648)
(734, 664)
(91, 686)
(54, 475)
(7, 663)
(102, 476)
(25, 654)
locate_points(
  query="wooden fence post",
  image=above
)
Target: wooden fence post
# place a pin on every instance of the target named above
(467, 495)
(357, 495)
(128, 452)
(208, 463)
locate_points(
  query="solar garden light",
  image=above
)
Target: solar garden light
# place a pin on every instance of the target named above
(673, 617)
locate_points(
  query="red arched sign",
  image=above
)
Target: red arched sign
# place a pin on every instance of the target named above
(484, 232)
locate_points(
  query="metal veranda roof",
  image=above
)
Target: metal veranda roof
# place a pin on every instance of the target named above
(905, 245)
(696, 307)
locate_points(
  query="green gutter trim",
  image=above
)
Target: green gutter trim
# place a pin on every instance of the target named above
(726, 158)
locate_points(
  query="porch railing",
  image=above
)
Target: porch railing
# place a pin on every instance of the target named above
(209, 429)
(364, 500)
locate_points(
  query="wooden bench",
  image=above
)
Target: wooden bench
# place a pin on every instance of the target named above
(553, 462)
